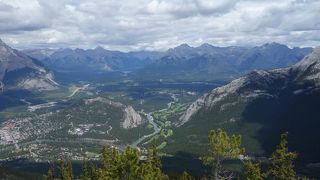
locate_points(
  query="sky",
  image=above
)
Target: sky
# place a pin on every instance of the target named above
(131, 25)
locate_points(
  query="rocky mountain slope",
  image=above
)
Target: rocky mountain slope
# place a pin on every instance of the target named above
(207, 62)
(98, 59)
(18, 71)
(260, 106)
(130, 117)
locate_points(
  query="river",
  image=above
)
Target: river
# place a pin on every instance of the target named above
(156, 127)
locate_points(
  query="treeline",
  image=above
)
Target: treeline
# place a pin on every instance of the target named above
(117, 165)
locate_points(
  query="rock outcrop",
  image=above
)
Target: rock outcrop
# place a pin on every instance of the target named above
(130, 118)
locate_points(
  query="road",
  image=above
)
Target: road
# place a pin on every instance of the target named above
(78, 89)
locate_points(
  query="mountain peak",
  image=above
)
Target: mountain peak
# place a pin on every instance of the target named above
(180, 50)
(99, 48)
(206, 45)
(312, 58)
(183, 46)
(274, 44)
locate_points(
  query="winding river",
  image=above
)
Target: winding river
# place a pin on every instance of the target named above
(156, 127)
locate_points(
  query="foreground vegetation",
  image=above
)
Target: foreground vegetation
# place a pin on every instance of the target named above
(131, 164)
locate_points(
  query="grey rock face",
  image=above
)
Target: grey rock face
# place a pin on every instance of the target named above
(130, 119)
(17, 70)
(260, 83)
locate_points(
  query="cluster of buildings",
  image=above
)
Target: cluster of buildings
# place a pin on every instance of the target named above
(18, 129)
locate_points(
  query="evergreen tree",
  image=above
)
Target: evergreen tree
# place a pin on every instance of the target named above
(185, 176)
(127, 165)
(281, 165)
(84, 172)
(69, 170)
(222, 147)
(50, 174)
(63, 171)
(92, 172)
(253, 171)
(151, 169)
(130, 162)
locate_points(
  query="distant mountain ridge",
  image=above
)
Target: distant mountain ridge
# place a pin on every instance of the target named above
(209, 63)
(98, 59)
(182, 63)
(19, 71)
(260, 106)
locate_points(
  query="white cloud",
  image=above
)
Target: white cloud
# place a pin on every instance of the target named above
(158, 24)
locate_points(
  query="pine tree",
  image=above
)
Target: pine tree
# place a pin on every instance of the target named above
(281, 165)
(130, 159)
(92, 172)
(115, 170)
(127, 165)
(50, 174)
(151, 169)
(222, 147)
(253, 171)
(69, 170)
(185, 176)
(63, 171)
(84, 172)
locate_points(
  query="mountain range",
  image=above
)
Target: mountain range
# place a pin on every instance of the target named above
(259, 106)
(211, 63)
(182, 63)
(92, 60)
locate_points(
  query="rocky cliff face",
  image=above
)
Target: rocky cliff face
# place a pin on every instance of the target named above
(260, 83)
(131, 118)
(18, 71)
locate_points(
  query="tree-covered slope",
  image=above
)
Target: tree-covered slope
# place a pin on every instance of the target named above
(259, 106)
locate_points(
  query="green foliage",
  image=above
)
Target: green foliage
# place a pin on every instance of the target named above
(127, 165)
(84, 172)
(65, 173)
(281, 161)
(185, 176)
(69, 170)
(50, 175)
(222, 146)
(253, 171)
(93, 171)
(281, 165)
(151, 169)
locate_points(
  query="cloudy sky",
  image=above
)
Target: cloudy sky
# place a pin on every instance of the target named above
(158, 24)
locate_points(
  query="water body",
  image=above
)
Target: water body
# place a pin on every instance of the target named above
(156, 127)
